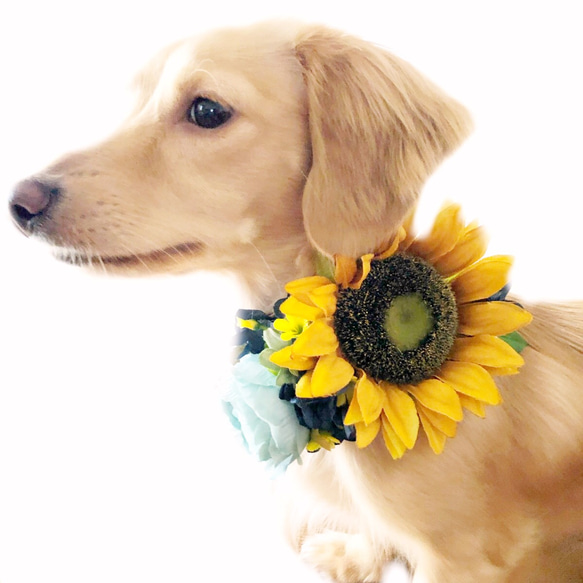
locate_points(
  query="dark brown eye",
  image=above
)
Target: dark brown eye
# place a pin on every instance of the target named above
(208, 114)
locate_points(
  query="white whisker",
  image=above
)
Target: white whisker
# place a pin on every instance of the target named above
(265, 262)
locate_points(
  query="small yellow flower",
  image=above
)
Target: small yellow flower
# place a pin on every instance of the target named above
(321, 439)
(290, 327)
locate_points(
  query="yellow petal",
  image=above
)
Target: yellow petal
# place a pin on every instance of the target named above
(324, 297)
(286, 359)
(300, 288)
(394, 246)
(392, 441)
(321, 439)
(471, 380)
(293, 307)
(345, 269)
(438, 396)
(304, 386)
(435, 437)
(313, 446)
(401, 413)
(487, 350)
(331, 374)
(363, 269)
(441, 422)
(353, 415)
(473, 405)
(445, 233)
(365, 434)
(495, 318)
(317, 339)
(481, 280)
(468, 250)
(249, 324)
(290, 327)
(371, 399)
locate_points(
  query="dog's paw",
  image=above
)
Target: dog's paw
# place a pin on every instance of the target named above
(346, 558)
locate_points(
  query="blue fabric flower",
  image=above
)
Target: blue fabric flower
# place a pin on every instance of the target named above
(269, 426)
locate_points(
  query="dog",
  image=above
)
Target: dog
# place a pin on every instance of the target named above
(250, 149)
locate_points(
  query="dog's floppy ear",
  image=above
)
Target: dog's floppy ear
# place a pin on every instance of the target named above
(378, 129)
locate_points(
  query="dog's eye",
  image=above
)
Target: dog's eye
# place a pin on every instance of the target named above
(208, 114)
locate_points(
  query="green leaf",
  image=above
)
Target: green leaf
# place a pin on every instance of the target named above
(285, 377)
(516, 340)
(325, 266)
(264, 361)
(273, 339)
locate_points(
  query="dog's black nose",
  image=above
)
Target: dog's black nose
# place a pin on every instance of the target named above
(30, 201)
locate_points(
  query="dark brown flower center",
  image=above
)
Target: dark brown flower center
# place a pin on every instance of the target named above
(401, 324)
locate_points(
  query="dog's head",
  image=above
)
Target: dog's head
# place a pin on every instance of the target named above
(246, 149)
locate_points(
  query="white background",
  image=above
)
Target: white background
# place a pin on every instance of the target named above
(116, 464)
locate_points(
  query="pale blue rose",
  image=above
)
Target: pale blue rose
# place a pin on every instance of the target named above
(268, 425)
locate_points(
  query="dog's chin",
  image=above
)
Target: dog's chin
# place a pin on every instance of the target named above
(172, 259)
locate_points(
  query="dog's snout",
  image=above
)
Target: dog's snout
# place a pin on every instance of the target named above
(30, 202)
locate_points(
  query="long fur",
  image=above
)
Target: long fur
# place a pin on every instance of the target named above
(330, 145)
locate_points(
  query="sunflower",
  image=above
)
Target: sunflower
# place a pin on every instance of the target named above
(415, 334)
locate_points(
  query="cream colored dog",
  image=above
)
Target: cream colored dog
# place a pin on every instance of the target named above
(247, 150)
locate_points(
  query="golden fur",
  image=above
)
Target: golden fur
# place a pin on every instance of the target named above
(330, 144)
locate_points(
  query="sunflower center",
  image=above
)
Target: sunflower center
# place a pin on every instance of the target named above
(408, 321)
(401, 324)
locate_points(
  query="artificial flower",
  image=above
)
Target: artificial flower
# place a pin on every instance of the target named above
(324, 417)
(416, 332)
(290, 327)
(267, 424)
(251, 325)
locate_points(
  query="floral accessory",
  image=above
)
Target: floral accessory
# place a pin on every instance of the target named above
(392, 342)
(267, 424)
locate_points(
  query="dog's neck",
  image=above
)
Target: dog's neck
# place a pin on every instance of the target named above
(271, 266)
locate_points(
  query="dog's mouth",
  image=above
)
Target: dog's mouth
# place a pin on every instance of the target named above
(168, 257)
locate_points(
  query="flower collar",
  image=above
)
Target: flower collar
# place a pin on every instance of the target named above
(388, 344)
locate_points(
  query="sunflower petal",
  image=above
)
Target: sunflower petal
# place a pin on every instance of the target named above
(304, 386)
(469, 249)
(354, 414)
(444, 424)
(371, 399)
(401, 413)
(286, 359)
(392, 441)
(331, 374)
(445, 233)
(482, 279)
(300, 288)
(470, 379)
(438, 396)
(473, 405)
(435, 437)
(324, 297)
(363, 269)
(293, 307)
(486, 350)
(317, 339)
(495, 318)
(345, 269)
(392, 249)
(365, 434)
